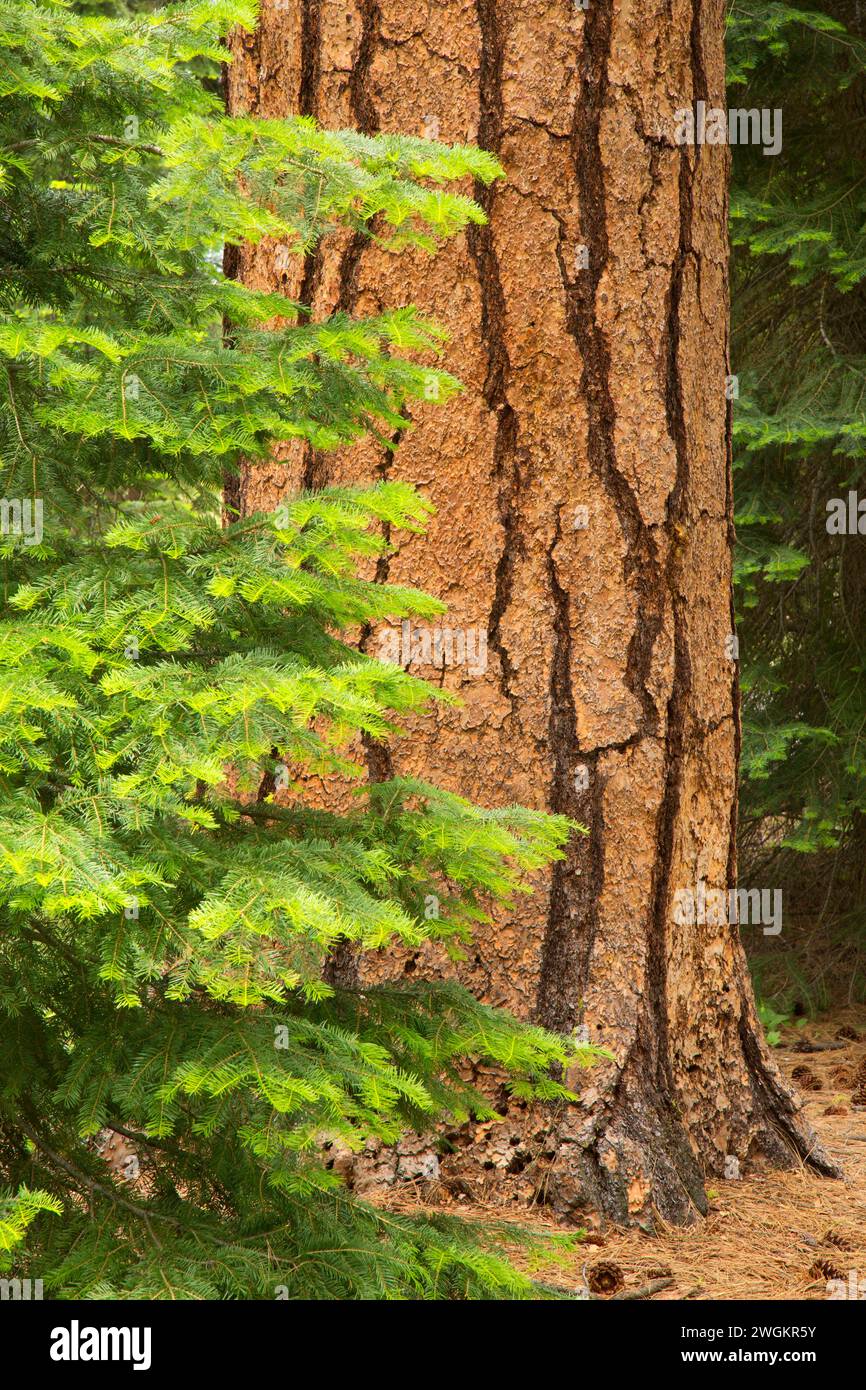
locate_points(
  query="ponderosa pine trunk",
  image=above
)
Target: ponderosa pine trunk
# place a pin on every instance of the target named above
(584, 523)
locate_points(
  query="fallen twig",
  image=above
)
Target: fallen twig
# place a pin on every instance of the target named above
(626, 1295)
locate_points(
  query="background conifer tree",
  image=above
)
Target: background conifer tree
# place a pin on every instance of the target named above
(799, 270)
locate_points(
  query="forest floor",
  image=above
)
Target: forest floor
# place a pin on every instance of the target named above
(772, 1235)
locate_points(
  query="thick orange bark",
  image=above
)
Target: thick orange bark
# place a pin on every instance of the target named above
(584, 523)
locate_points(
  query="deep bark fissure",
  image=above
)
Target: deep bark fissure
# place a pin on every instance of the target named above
(342, 967)
(360, 96)
(311, 34)
(234, 481)
(655, 1021)
(641, 565)
(645, 1090)
(732, 539)
(317, 470)
(383, 563)
(480, 241)
(572, 917)
(576, 880)
(308, 91)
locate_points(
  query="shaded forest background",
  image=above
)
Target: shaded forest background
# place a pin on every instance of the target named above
(799, 261)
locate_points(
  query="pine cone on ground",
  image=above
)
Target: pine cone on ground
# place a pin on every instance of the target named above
(848, 1034)
(825, 1269)
(806, 1079)
(835, 1238)
(605, 1277)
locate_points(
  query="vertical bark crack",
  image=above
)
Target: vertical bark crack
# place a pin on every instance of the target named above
(654, 1025)
(317, 472)
(506, 452)
(311, 34)
(360, 94)
(308, 93)
(576, 882)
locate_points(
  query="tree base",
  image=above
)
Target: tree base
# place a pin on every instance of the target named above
(628, 1157)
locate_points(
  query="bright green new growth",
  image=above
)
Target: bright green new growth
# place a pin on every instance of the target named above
(163, 932)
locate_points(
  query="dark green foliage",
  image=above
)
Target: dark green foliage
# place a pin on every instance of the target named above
(799, 291)
(163, 922)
